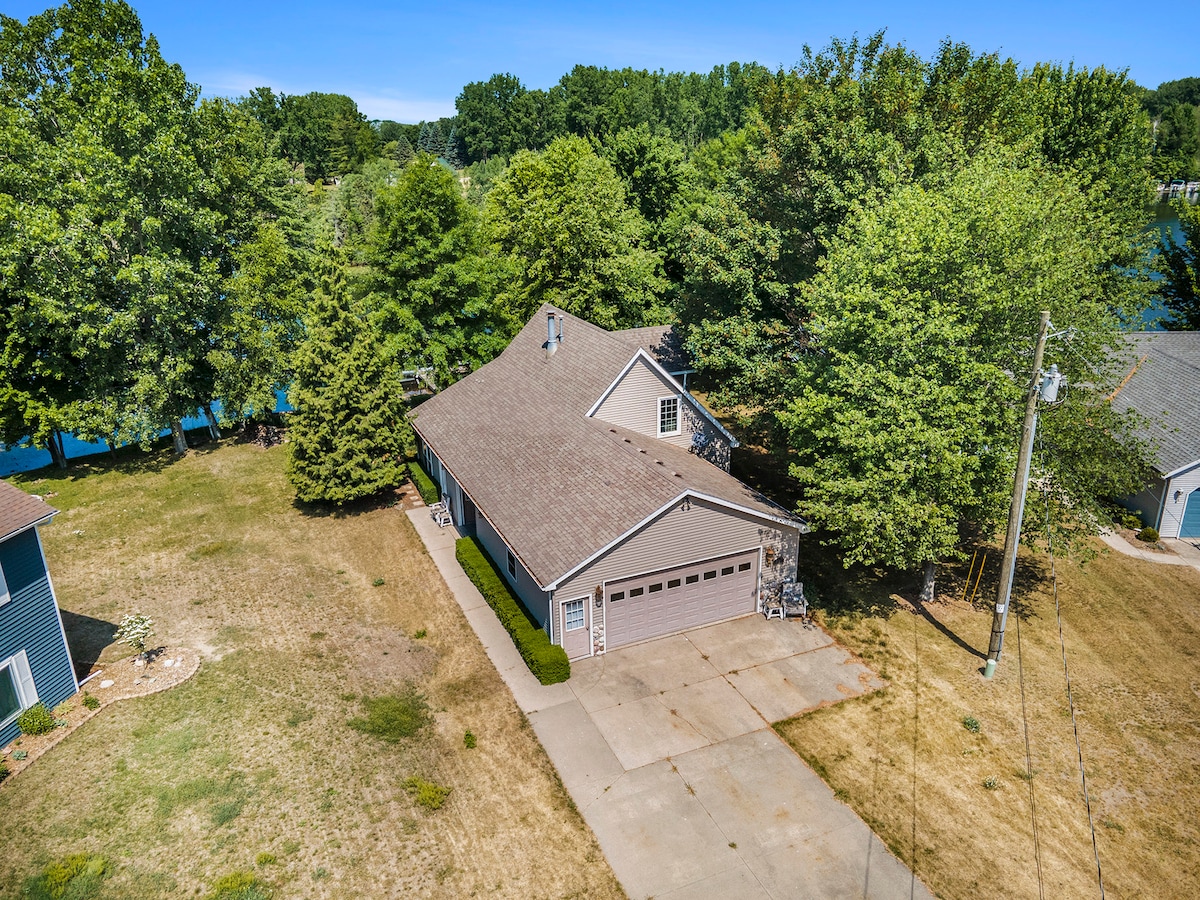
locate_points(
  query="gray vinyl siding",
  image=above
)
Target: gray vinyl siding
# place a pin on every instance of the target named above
(535, 599)
(1172, 509)
(679, 537)
(633, 404)
(29, 622)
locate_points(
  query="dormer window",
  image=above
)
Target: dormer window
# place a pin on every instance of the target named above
(668, 416)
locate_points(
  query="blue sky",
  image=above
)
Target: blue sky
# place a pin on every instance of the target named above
(408, 61)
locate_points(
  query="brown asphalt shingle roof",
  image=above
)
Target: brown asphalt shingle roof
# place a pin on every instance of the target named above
(19, 510)
(1165, 387)
(557, 485)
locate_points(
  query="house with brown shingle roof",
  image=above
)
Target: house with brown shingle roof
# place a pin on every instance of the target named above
(1162, 383)
(35, 662)
(600, 487)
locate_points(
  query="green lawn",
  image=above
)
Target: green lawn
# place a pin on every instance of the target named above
(251, 765)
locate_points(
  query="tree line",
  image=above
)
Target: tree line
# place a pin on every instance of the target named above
(856, 249)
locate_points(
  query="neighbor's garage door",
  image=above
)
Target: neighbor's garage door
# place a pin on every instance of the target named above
(648, 606)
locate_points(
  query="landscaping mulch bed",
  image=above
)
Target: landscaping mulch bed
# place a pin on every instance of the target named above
(121, 680)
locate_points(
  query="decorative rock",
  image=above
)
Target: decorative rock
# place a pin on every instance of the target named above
(167, 663)
(139, 662)
(107, 683)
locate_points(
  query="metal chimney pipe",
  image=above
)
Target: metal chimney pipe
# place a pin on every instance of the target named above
(551, 338)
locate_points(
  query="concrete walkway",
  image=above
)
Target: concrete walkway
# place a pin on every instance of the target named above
(666, 749)
(1185, 552)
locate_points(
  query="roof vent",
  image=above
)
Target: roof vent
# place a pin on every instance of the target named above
(553, 333)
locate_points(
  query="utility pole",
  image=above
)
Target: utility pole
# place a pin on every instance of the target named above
(1008, 567)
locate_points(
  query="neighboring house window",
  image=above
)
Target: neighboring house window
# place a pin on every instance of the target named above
(4, 595)
(16, 687)
(573, 614)
(512, 564)
(668, 415)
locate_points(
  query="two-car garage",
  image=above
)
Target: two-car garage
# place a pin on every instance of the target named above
(663, 602)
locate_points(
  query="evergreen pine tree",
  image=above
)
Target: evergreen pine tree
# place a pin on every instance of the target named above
(348, 433)
(451, 152)
(431, 140)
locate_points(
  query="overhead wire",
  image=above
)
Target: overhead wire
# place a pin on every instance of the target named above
(1062, 643)
(1037, 851)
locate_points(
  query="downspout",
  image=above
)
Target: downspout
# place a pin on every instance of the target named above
(551, 612)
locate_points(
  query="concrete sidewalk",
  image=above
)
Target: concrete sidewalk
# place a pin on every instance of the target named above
(1184, 552)
(666, 749)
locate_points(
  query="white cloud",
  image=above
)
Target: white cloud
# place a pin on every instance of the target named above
(374, 106)
(401, 109)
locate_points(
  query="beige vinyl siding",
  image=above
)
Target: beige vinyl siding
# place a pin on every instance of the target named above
(633, 404)
(679, 537)
(1172, 511)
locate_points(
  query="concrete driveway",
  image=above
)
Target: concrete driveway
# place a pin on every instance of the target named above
(667, 750)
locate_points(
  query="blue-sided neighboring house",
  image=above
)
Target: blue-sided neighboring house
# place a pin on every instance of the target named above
(35, 662)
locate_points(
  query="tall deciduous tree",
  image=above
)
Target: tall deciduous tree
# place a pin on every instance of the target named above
(127, 207)
(905, 409)
(348, 433)
(433, 296)
(1178, 262)
(561, 220)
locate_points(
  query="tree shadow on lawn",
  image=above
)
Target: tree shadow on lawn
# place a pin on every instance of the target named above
(862, 591)
(130, 459)
(87, 638)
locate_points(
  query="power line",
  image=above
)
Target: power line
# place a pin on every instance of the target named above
(1062, 643)
(1037, 852)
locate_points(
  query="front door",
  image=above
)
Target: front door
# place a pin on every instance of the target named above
(573, 625)
(1190, 526)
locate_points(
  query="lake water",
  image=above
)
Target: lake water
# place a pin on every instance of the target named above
(15, 459)
(1166, 222)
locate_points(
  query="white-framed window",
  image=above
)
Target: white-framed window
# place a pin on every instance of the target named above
(5, 596)
(573, 614)
(17, 691)
(668, 415)
(512, 564)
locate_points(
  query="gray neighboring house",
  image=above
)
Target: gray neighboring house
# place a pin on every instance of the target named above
(600, 486)
(1163, 384)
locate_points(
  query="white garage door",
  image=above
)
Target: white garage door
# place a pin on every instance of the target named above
(672, 600)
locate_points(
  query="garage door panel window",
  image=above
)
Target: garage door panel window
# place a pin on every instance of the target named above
(691, 579)
(617, 595)
(636, 592)
(673, 583)
(744, 567)
(709, 576)
(728, 570)
(655, 588)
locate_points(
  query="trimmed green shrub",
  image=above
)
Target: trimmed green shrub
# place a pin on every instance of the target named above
(90, 702)
(36, 720)
(426, 793)
(1131, 521)
(1149, 535)
(239, 886)
(4, 773)
(548, 662)
(424, 484)
(77, 876)
(393, 716)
